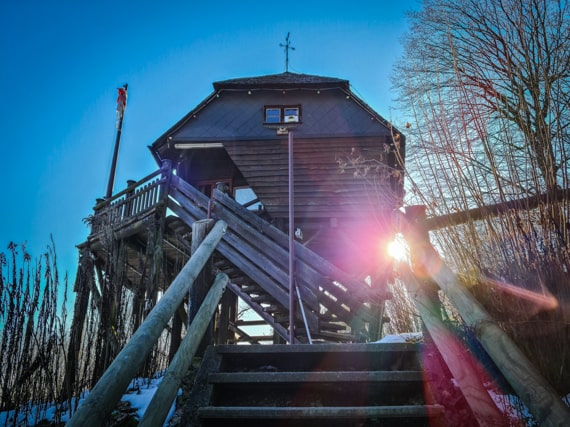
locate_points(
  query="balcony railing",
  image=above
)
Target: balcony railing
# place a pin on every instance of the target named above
(133, 203)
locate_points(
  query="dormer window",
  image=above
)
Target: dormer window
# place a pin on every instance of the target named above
(282, 114)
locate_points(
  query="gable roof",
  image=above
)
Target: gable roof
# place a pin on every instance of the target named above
(285, 80)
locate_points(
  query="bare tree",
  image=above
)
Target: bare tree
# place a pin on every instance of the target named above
(485, 85)
(488, 82)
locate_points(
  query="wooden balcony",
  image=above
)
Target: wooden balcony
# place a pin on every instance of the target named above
(123, 212)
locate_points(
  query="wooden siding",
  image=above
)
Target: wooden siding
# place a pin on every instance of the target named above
(322, 190)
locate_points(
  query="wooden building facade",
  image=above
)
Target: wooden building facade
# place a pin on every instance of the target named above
(347, 164)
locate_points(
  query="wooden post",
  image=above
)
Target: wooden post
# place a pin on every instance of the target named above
(166, 170)
(107, 392)
(224, 321)
(175, 338)
(198, 292)
(162, 400)
(82, 289)
(535, 392)
(128, 196)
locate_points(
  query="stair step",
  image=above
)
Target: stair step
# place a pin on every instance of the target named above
(320, 385)
(310, 377)
(322, 357)
(248, 289)
(332, 326)
(263, 298)
(335, 412)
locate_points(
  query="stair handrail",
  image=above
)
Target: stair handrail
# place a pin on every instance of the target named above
(191, 205)
(535, 392)
(107, 392)
(160, 404)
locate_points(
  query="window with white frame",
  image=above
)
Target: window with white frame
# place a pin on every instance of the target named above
(282, 114)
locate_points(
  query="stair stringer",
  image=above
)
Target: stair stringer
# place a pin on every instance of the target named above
(260, 251)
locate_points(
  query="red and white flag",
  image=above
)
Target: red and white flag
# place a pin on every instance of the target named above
(121, 100)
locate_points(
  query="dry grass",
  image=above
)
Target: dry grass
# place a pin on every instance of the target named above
(33, 320)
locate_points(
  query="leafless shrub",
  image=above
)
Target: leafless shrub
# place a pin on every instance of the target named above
(33, 317)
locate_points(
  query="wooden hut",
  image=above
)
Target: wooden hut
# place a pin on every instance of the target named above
(247, 138)
(347, 159)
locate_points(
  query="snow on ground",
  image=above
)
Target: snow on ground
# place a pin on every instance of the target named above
(141, 390)
(138, 395)
(403, 337)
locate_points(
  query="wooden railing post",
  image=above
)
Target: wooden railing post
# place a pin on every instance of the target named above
(198, 292)
(109, 389)
(130, 193)
(535, 392)
(165, 394)
(166, 170)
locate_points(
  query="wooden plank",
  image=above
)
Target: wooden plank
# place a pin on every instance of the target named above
(316, 377)
(332, 412)
(190, 197)
(325, 349)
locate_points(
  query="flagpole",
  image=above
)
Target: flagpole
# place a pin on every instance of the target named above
(121, 105)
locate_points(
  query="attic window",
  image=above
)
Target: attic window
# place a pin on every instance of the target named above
(282, 114)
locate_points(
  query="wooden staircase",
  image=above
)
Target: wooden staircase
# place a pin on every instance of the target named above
(297, 384)
(254, 253)
(312, 385)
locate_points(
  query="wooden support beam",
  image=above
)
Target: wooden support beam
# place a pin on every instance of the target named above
(536, 393)
(224, 321)
(475, 214)
(199, 290)
(461, 365)
(109, 389)
(158, 408)
(82, 287)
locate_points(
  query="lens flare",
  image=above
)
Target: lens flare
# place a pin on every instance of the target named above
(398, 249)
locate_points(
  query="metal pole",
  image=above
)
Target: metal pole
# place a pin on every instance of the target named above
(291, 243)
(111, 182)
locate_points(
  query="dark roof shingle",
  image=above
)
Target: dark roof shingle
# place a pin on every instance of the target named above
(282, 80)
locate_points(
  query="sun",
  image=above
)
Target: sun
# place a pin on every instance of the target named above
(397, 248)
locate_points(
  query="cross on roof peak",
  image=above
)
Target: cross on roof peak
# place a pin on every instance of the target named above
(287, 46)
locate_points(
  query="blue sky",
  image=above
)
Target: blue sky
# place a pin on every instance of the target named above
(63, 60)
